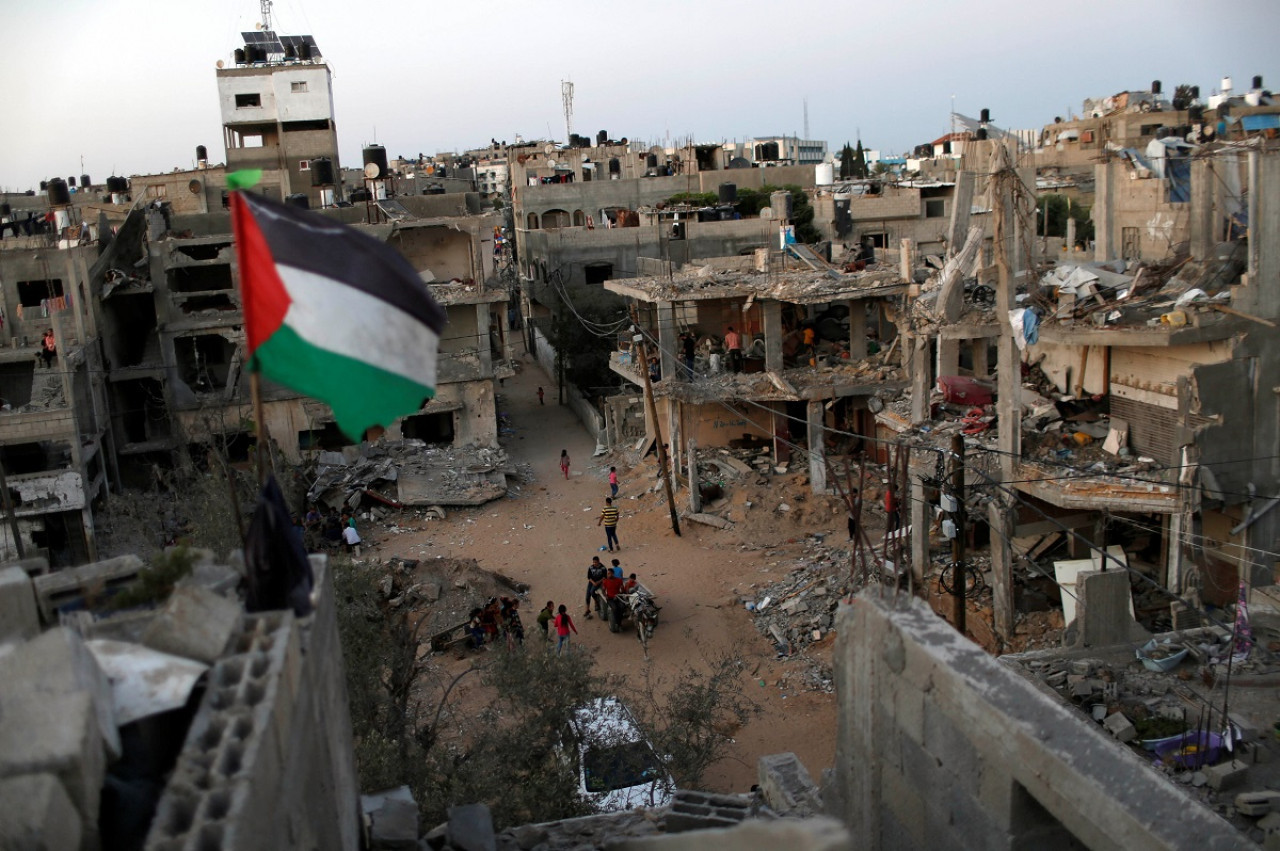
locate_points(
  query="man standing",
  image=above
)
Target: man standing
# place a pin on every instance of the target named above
(351, 538)
(612, 584)
(689, 344)
(609, 517)
(595, 579)
(733, 349)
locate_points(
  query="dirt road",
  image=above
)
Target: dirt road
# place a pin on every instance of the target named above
(545, 534)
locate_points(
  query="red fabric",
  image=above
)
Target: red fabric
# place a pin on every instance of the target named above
(612, 585)
(265, 299)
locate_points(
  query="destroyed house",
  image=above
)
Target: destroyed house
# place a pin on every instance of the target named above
(1133, 410)
(786, 391)
(55, 458)
(174, 340)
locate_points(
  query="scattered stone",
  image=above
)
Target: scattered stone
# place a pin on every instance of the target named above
(1120, 727)
(471, 828)
(1226, 775)
(1257, 803)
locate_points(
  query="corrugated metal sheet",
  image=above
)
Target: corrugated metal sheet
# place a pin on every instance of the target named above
(1153, 430)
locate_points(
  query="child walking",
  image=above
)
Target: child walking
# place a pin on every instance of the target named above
(564, 623)
(564, 462)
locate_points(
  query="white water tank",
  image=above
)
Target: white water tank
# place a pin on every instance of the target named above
(825, 174)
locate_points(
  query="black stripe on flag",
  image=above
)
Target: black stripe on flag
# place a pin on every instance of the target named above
(308, 241)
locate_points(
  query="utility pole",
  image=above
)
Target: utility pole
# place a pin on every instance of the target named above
(957, 543)
(637, 339)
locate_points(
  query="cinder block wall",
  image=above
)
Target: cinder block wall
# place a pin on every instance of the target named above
(269, 761)
(941, 747)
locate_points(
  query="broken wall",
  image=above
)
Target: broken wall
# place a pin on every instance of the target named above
(940, 746)
(438, 253)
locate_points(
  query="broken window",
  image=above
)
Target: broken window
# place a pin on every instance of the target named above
(431, 428)
(140, 407)
(304, 165)
(194, 304)
(198, 251)
(135, 313)
(1131, 248)
(205, 361)
(34, 293)
(254, 141)
(301, 126)
(298, 86)
(195, 279)
(935, 208)
(597, 273)
(328, 438)
(15, 384)
(248, 100)
(22, 459)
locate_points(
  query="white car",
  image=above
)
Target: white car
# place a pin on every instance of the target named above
(617, 768)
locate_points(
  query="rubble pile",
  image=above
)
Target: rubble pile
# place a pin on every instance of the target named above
(412, 473)
(1173, 719)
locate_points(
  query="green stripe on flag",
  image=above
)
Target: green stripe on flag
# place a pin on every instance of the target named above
(245, 178)
(360, 394)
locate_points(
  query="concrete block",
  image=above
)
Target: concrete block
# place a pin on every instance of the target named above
(78, 583)
(1105, 609)
(195, 623)
(471, 828)
(19, 618)
(393, 819)
(1270, 823)
(1120, 727)
(786, 784)
(59, 737)
(1257, 803)
(38, 815)
(58, 663)
(1226, 775)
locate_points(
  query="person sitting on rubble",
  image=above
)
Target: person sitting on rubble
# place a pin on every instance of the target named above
(489, 619)
(475, 629)
(332, 529)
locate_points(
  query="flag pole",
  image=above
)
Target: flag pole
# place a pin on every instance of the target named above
(259, 427)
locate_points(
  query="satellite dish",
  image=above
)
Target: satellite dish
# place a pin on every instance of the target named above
(220, 64)
(371, 170)
(195, 187)
(551, 163)
(549, 149)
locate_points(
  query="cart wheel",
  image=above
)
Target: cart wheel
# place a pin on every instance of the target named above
(614, 624)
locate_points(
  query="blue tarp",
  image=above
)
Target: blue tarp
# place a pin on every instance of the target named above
(1261, 122)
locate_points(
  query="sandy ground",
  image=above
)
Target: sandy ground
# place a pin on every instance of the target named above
(546, 532)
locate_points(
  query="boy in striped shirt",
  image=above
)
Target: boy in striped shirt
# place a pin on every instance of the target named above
(609, 518)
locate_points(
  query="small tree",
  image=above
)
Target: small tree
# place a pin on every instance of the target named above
(860, 162)
(847, 161)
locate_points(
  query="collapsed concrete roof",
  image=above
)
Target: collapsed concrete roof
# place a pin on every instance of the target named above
(798, 287)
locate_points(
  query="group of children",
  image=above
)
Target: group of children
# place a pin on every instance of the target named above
(498, 618)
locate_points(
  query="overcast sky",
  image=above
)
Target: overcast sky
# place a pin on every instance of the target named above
(129, 84)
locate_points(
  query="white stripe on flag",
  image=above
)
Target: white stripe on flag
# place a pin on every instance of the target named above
(341, 319)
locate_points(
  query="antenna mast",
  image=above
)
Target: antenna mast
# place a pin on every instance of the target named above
(266, 14)
(566, 94)
(806, 119)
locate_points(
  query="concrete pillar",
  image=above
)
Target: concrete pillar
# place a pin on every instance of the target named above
(961, 206)
(1071, 235)
(667, 339)
(1104, 219)
(817, 449)
(921, 515)
(921, 379)
(978, 353)
(1104, 616)
(906, 257)
(482, 339)
(857, 329)
(1202, 194)
(1002, 518)
(948, 356)
(772, 335)
(695, 495)
(1263, 291)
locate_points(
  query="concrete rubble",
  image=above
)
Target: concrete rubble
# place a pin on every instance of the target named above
(108, 742)
(411, 473)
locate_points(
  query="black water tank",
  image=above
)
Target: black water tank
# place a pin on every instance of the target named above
(985, 116)
(771, 151)
(85, 183)
(71, 181)
(1155, 87)
(304, 51)
(615, 167)
(298, 199)
(59, 195)
(1257, 81)
(240, 56)
(358, 195)
(981, 135)
(651, 161)
(728, 193)
(377, 155)
(602, 137)
(202, 153)
(1195, 92)
(117, 184)
(1195, 113)
(44, 184)
(322, 172)
(5, 209)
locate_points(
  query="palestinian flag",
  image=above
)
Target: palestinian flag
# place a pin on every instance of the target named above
(334, 314)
